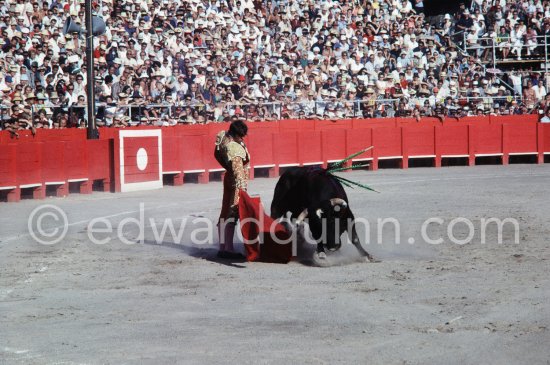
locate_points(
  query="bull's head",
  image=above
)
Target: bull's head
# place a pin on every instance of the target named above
(325, 221)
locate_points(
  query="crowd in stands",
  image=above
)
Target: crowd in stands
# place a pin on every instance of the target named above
(164, 62)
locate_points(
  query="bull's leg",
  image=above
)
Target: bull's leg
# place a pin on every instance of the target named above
(357, 243)
(321, 251)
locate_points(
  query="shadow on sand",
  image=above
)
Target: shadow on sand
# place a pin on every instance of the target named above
(208, 254)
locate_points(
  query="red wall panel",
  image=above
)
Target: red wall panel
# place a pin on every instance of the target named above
(419, 140)
(285, 148)
(514, 119)
(100, 159)
(373, 123)
(322, 125)
(171, 153)
(29, 163)
(452, 139)
(387, 141)
(70, 134)
(293, 125)
(521, 137)
(263, 127)
(53, 161)
(487, 139)
(108, 133)
(193, 130)
(309, 147)
(260, 147)
(412, 122)
(333, 144)
(357, 140)
(546, 137)
(210, 163)
(8, 165)
(133, 172)
(192, 152)
(76, 159)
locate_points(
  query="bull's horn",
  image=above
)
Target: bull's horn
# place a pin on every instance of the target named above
(301, 217)
(338, 201)
(318, 212)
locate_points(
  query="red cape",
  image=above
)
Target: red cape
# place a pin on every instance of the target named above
(262, 235)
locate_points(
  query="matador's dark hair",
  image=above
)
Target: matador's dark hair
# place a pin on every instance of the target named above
(238, 128)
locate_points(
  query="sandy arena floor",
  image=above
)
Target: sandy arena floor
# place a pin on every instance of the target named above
(167, 300)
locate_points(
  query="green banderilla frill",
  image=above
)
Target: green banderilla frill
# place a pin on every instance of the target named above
(349, 182)
(353, 167)
(339, 166)
(342, 162)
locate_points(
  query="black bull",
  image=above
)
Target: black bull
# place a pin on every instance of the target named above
(313, 193)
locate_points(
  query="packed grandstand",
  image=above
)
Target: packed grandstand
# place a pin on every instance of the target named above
(167, 62)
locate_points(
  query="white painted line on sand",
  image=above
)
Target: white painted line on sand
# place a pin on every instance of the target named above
(15, 351)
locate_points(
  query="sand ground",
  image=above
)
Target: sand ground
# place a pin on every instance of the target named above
(170, 301)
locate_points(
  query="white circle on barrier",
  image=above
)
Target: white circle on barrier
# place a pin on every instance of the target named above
(142, 159)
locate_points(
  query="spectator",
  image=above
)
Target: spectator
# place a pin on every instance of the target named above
(292, 59)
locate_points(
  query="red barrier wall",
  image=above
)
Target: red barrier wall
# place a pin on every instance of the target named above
(101, 161)
(285, 148)
(333, 144)
(8, 163)
(418, 140)
(545, 137)
(29, 163)
(76, 160)
(53, 161)
(387, 142)
(57, 157)
(171, 149)
(260, 147)
(487, 139)
(521, 138)
(309, 147)
(452, 140)
(358, 139)
(192, 153)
